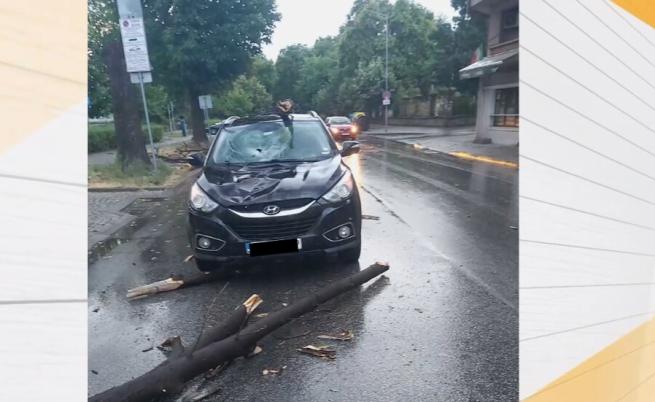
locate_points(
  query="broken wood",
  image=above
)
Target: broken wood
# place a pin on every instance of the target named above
(324, 352)
(169, 378)
(232, 325)
(173, 283)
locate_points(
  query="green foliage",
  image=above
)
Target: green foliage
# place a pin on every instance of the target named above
(246, 97)
(199, 46)
(102, 136)
(264, 70)
(158, 101)
(288, 67)
(102, 23)
(346, 73)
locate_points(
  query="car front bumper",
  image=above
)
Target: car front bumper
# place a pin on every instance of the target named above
(229, 232)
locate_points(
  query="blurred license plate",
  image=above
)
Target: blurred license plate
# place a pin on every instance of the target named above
(273, 247)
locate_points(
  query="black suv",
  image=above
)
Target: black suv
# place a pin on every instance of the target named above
(274, 186)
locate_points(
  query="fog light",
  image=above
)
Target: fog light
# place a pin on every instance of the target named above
(344, 232)
(204, 242)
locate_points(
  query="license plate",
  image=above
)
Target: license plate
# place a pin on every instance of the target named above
(273, 247)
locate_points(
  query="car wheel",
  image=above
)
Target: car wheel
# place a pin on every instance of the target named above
(352, 255)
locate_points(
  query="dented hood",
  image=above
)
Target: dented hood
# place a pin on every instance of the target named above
(250, 184)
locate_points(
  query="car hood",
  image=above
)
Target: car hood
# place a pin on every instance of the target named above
(243, 185)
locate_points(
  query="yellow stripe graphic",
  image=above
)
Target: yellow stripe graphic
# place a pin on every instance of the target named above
(624, 371)
(642, 9)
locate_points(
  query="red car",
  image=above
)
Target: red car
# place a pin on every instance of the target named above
(342, 128)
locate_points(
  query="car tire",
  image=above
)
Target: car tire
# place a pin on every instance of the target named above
(352, 255)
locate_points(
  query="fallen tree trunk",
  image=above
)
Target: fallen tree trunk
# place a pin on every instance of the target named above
(169, 378)
(231, 326)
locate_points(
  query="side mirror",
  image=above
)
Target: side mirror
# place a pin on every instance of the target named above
(197, 159)
(349, 148)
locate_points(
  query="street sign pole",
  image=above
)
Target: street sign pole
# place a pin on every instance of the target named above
(145, 111)
(386, 73)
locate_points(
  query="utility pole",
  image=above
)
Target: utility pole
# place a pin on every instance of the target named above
(386, 72)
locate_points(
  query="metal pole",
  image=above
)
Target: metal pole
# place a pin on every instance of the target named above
(170, 117)
(145, 111)
(386, 72)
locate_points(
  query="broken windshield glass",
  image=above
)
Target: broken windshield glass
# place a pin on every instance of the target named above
(265, 142)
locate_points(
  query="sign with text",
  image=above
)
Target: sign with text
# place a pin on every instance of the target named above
(133, 34)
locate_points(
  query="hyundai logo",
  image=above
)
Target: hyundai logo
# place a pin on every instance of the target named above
(271, 210)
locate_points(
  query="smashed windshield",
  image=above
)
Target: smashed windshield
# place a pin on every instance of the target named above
(272, 141)
(339, 120)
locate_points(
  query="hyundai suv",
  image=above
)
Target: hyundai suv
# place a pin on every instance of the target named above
(273, 187)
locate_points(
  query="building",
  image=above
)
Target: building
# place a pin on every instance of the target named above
(497, 117)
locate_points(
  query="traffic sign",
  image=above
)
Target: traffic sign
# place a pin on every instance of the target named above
(205, 102)
(133, 34)
(386, 102)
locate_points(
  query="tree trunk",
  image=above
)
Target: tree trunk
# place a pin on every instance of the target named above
(125, 106)
(169, 378)
(197, 119)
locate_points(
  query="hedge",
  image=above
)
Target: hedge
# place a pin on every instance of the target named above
(102, 138)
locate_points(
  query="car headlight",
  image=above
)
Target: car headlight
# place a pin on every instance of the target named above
(334, 130)
(353, 129)
(201, 201)
(342, 190)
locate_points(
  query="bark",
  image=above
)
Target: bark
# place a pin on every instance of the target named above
(170, 377)
(130, 139)
(197, 120)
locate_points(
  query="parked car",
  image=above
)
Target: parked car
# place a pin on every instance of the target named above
(342, 128)
(273, 188)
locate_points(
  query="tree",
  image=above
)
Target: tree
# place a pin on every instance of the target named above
(470, 32)
(104, 44)
(197, 46)
(246, 97)
(264, 70)
(288, 66)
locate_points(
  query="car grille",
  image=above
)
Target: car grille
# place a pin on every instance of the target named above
(285, 204)
(265, 229)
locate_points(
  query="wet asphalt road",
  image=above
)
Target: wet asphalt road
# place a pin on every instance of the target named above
(442, 325)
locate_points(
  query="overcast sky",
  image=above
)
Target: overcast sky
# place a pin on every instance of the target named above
(304, 21)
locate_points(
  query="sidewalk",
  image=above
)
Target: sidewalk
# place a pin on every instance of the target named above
(107, 212)
(455, 141)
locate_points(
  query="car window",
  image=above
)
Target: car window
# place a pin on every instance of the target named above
(339, 120)
(272, 141)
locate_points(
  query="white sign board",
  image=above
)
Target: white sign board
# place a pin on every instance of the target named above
(134, 44)
(386, 102)
(205, 101)
(134, 78)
